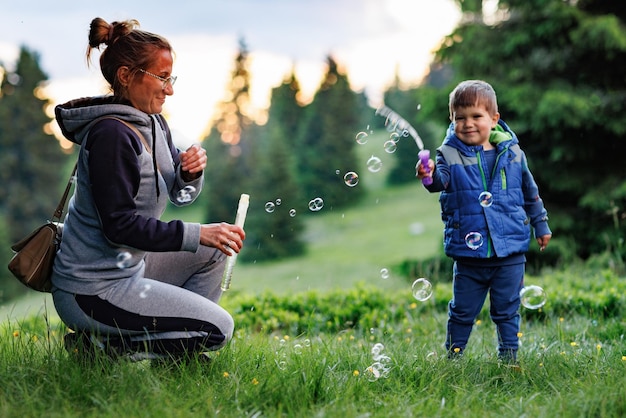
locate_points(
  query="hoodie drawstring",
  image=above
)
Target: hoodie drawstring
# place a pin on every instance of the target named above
(154, 163)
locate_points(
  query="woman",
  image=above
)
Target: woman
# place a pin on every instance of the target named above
(124, 280)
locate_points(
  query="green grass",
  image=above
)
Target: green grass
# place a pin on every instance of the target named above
(306, 327)
(570, 366)
(352, 245)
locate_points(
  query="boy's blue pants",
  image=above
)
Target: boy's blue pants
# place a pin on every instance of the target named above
(470, 286)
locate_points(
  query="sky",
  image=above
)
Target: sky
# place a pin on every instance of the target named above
(372, 40)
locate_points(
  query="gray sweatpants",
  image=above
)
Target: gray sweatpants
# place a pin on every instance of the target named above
(175, 301)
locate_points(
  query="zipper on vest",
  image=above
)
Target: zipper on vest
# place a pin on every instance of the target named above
(484, 179)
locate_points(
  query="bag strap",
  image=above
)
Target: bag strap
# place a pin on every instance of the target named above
(58, 213)
(133, 128)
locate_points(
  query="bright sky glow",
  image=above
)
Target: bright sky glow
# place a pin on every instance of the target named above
(372, 40)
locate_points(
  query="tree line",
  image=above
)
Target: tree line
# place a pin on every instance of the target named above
(557, 66)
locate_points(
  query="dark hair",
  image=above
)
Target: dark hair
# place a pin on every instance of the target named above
(473, 92)
(126, 45)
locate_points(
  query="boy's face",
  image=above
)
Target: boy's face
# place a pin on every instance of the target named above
(473, 125)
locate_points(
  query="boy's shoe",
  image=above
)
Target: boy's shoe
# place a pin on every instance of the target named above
(508, 356)
(454, 354)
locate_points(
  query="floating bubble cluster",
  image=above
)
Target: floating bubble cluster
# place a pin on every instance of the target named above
(297, 348)
(316, 204)
(422, 289)
(533, 297)
(184, 195)
(381, 366)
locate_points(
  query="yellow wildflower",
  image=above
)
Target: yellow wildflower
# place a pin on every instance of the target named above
(226, 374)
(478, 322)
(623, 358)
(574, 344)
(457, 350)
(413, 305)
(561, 319)
(255, 381)
(286, 337)
(352, 338)
(355, 373)
(16, 333)
(520, 334)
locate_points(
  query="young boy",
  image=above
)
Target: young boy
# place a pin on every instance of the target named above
(489, 201)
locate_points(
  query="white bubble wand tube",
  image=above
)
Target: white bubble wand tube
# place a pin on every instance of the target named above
(242, 210)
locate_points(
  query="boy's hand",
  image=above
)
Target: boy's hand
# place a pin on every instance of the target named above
(543, 241)
(420, 172)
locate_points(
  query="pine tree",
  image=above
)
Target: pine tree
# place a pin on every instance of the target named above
(230, 146)
(325, 145)
(276, 231)
(557, 67)
(32, 165)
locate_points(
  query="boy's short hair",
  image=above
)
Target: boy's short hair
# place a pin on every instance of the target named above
(472, 92)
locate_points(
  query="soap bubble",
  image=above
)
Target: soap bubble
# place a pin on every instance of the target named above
(390, 146)
(532, 297)
(124, 259)
(485, 199)
(374, 164)
(351, 178)
(292, 212)
(184, 195)
(377, 349)
(374, 372)
(279, 202)
(384, 273)
(361, 138)
(269, 207)
(474, 240)
(316, 204)
(395, 137)
(422, 289)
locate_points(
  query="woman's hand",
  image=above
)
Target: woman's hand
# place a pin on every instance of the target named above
(193, 161)
(225, 237)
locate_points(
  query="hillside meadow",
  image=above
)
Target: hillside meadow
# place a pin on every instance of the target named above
(329, 335)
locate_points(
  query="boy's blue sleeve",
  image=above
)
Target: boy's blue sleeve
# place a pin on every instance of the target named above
(441, 175)
(532, 202)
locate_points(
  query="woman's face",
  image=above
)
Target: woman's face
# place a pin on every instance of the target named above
(146, 92)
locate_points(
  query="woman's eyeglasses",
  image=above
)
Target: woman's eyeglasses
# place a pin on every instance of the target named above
(171, 79)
